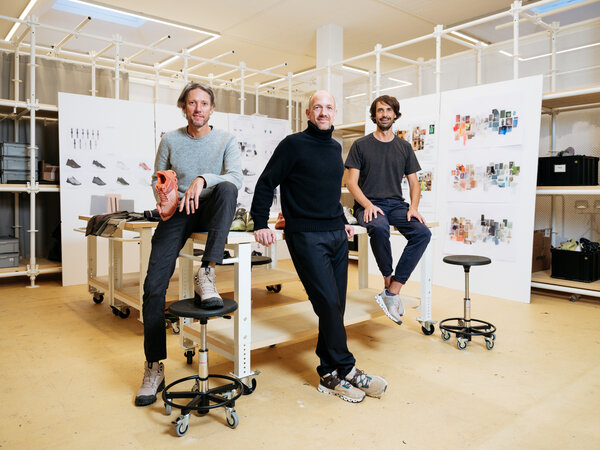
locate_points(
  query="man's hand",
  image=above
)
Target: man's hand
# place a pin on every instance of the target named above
(349, 231)
(265, 236)
(190, 199)
(371, 212)
(414, 213)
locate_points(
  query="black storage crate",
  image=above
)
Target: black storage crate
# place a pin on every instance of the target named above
(578, 170)
(576, 266)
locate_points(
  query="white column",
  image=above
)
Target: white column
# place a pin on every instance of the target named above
(93, 74)
(515, 10)
(377, 69)
(554, 33)
(438, 57)
(421, 61)
(242, 87)
(330, 50)
(32, 185)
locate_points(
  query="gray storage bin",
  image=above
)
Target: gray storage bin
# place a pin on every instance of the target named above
(14, 176)
(9, 260)
(9, 244)
(14, 149)
(14, 163)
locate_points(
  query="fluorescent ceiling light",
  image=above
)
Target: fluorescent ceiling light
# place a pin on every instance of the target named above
(561, 51)
(84, 9)
(556, 5)
(279, 80)
(21, 17)
(354, 69)
(144, 17)
(404, 84)
(468, 38)
(191, 49)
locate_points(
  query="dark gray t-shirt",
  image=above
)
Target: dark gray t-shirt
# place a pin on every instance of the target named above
(382, 166)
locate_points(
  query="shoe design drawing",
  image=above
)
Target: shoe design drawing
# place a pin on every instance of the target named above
(204, 286)
(98, 164)
(144, 166)
(247, 190)
(73, 164)
(152, 383)
(166, 188)
(248, 172)
(98, 181)
(121, 165)
(122, 181)
(391, 305)
(74, 181)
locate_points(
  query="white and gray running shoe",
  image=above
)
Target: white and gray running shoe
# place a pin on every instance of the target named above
(153, 382)
(391, 305)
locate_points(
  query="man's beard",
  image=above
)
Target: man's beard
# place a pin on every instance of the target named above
(385, 127)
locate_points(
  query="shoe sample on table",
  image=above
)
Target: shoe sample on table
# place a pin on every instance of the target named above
(98, 164)
(249, 223)
(153, 382)
(239, 220)
(98, 181)
(144, 166)
(349, 217)
(332, 384)
(371, 385)
(122, 181)
(73, 164)
(204, 286)
(391, 305)
(280, 223)
(166, 188)
(74, 181)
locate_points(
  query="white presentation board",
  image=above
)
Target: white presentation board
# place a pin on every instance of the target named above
(106, 150)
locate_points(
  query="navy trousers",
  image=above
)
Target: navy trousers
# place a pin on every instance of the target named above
(321, 261)
(214, 215)
(416, 233)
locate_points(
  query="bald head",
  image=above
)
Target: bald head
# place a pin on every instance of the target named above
(321, 110)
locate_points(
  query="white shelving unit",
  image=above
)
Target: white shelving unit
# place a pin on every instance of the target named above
(553, 103)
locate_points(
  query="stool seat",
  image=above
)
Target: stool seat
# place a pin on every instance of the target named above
(187, 308)
(467, 260)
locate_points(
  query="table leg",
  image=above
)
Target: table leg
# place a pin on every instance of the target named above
(242, 319)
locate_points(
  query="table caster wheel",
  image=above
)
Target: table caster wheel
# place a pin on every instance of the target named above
(249, 389)
(190, 356)
(124, 314)
(489, 343)
(175, 327)
(182, 425)
(574, 297)
(232, 419)
(274, 288)
(427, 331)
(461, 344)
(445, 335)
(98, 298)
(167, 409)
(115, 310)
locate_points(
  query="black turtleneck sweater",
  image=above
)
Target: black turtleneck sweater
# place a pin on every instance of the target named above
(308, 166)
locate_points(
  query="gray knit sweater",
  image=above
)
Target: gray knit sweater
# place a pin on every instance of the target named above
(215, 157)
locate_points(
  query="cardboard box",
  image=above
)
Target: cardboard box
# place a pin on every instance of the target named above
(48, 172)
(541, 256)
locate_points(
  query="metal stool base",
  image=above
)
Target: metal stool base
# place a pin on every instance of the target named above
(465, 329)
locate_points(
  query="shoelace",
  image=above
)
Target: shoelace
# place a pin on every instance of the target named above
(148, 376)
(162, 196)
(206, 283)
(361, 378)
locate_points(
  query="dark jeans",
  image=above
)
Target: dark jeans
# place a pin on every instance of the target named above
(214, 214)
(416, 233)
(321, 261)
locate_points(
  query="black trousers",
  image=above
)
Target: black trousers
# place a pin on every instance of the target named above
(214, 215)
(321, 261)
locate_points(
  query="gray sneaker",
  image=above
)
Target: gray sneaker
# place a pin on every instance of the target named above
(153, 382)
(204, 286)
(333, 385)
(391, 306)
(371, 385)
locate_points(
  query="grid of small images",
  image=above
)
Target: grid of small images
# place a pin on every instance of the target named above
(483, 231)
(500, 175)
(497, 122)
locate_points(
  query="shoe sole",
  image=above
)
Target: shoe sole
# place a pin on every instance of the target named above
(382, 305)
(146, 400)
(209, 303)
(378, 395)
(325, 390)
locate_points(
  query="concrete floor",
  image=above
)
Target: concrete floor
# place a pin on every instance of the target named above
(71, 370)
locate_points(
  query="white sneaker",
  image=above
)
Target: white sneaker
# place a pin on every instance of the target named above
(204, 286)
(391, 305)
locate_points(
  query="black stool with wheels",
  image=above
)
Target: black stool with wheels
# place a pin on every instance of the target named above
(201, 397)
(465, 327)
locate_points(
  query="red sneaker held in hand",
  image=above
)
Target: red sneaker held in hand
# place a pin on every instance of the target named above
(166, 187)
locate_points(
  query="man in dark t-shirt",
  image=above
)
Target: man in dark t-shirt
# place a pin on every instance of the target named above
(375, 167)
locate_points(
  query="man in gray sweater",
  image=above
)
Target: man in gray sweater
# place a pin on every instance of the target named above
(208, 168)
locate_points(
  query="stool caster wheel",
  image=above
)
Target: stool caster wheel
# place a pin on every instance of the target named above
(98, 298)
(274, 288)
(124, 314)
(190, 356)
(175, 327)
(427, 331)
(182, 425)
(461, 343)
(115, 310)
(489, 343)
(445, 335)
(249, 389)
(572, 298)
(231, 417)
(167, 409)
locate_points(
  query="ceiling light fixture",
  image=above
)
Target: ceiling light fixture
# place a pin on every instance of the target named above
(145, 17)
(268, 83)
(561, 51)
(466, 37)
(354, 69)
(191, 49)
(404, 84)
(15, 27)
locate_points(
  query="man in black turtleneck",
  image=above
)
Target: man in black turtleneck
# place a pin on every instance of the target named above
(308, 167)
